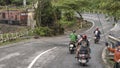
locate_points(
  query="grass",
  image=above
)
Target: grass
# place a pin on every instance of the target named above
(110, 61)
(14, 41)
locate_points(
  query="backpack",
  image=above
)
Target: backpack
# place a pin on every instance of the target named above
(84, 50)
(84, 41)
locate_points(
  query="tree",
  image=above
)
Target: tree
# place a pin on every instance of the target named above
(5, 2)
(78, 6)
(111, 7)
(44, 14)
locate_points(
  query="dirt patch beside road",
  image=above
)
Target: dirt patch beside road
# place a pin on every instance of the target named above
(5, 28)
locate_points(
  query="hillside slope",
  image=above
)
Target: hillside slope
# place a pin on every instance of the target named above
(4, 28)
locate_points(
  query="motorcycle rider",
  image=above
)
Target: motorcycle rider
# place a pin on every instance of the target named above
(97, 33)
(73, 37)
(83, 43)
(116, 52)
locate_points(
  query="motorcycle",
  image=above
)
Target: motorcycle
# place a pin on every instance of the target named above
(83, 56)
(71, 47)
(83, 59)
(96, 39)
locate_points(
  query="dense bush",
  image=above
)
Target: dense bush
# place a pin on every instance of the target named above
(57, 29)
(42, 31)
(66, 23)
(46, 31)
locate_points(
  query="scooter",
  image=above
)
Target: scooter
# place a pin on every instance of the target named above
(83, 59)
(96, 39)
(72, 47)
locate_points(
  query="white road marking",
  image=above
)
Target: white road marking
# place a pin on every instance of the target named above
(36, 58)
(92, 25)
(9, 56)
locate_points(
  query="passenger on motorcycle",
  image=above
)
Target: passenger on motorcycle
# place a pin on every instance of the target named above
(97, 33)
(73, 37)
(83, 44)
(116, 52)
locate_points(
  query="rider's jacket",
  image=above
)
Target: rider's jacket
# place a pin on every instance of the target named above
(73, 37)
(97, 33)
(116, 53)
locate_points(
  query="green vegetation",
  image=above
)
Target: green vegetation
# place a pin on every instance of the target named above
(13, 41)
(42, 31)
(111, 7)
(47, 16)
(14, 2)
(77, 6)
(109, 59)
(8, 38)
(56, 14)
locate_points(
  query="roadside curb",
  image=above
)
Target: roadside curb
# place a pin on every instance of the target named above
(104, 58)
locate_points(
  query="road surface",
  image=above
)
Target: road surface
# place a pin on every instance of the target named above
(53, 52)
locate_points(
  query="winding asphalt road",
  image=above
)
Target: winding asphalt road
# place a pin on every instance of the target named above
(53, 52)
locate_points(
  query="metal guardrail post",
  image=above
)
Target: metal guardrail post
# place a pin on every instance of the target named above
(113, 38)
(113, 41)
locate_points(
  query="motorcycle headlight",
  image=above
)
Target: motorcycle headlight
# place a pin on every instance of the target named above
(71, 45)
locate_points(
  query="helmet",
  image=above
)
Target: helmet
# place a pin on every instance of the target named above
(73, 31)
(84, 36)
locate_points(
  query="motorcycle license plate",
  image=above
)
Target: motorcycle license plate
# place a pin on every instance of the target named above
(71, 48)
(83, 61)
(82, 55)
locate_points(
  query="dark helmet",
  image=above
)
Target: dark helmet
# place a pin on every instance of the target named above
(84, 36)
(73, 31)
(97, 28)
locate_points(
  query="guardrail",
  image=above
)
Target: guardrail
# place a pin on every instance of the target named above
(109, 56)
(12, 36)
(112, 41)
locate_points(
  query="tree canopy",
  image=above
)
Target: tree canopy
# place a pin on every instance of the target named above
(14, 2)
(111, 7)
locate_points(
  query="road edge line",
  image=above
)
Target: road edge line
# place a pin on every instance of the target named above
(92, 25)
(36, 58)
